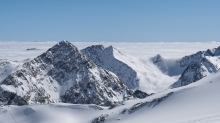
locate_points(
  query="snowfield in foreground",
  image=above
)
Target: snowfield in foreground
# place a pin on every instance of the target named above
(95, 75)
(194, 103)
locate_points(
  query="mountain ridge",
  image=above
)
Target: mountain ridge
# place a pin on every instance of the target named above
(63, 74)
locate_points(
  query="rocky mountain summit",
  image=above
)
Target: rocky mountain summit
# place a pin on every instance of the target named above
(191, 68)
(97, 75)
(197, 57)
(106, 57)
(199, 65)
(135, 73)
(62, 74)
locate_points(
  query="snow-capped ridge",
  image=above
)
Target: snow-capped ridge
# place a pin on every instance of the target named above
(6, 68)
(198, 66)
(105, 58)
(190, 68)
(63, 74)
(133, 72)
(198, 56)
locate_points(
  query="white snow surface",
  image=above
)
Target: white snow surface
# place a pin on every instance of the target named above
(7, 67)
(152, 80)
(194, 103)
(134, 73)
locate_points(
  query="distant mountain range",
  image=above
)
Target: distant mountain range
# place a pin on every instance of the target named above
(191, 68)
(97, 75)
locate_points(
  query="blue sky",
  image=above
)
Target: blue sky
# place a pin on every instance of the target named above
(110, 20)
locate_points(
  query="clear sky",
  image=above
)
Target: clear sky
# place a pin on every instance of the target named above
(110, 20)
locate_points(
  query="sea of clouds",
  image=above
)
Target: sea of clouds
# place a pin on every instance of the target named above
(14, 50)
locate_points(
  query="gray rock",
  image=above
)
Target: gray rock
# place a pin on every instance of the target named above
(63, 74)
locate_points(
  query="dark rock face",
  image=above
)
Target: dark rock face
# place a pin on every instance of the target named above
(9, 98)
(6, 68)
(169, 67)
(192, 73)
(140, 94)
(100, 119)
(63, 74)
(158, 60)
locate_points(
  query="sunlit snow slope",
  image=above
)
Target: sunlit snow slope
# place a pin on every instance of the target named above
(195, 103)
(132, 71)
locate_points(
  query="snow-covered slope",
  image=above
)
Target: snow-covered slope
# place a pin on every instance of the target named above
(63, 74)
(194, 103)
(135, 73)
(50, 113)
(106, 57)
(190, 68)
(6, 68)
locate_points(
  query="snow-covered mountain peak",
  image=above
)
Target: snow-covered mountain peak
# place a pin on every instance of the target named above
(107, 58)
(6, 68)
(64, 46)
(63, 74)
(101, 47)
(209, 52)
(198, 65)
(64, 42)
(134, 73)
(111, 48)
(198, 56)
